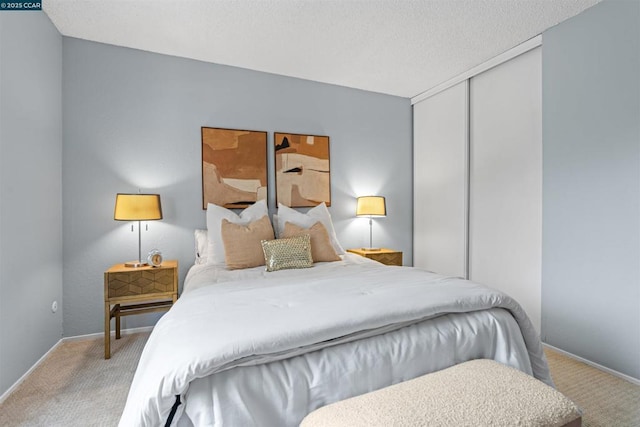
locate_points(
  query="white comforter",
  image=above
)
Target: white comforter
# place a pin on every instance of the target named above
(212, 329)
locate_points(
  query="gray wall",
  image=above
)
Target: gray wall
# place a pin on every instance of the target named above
(30, 191)
(132, 120)
(591, 190)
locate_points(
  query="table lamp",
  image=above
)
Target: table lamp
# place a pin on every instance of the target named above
(370, 206)
(137, 207)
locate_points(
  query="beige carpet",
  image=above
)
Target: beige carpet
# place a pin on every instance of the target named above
(75, 386)
(606, 401)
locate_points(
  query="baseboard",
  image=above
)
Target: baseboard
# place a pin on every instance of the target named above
(60, 341)
(620, 375)
(101, 334)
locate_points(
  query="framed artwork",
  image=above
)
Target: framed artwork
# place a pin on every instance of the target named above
(234, 167)
(303, 176)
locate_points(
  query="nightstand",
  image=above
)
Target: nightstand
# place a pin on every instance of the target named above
(385, 256)
(129, 291)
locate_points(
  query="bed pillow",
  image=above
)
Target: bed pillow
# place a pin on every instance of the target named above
(281, 254)
(242, 243)
(318, 213)
(215, 215)
(202, 246)
(321, 248)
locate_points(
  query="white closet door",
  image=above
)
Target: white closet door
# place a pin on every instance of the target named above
(440, 131)
(505, 228)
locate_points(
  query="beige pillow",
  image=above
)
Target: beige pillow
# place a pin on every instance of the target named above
(242, 248)
(321, 247)
(281, 254)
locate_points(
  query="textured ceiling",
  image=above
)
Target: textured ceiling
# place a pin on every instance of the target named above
(398, 47)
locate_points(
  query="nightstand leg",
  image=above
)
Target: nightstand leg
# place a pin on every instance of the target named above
(117, 313)
(107, 330)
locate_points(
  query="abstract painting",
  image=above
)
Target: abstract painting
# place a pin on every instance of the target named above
(303, 176)
(234, 167)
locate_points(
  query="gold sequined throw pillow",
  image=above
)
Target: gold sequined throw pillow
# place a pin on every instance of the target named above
(281, 254)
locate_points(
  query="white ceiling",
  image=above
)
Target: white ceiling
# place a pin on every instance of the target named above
(397, 47)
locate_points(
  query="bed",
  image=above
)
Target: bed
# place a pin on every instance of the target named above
(249, 347)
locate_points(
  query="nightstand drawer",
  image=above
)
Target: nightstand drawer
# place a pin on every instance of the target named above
(152, 281)
(392, 258)
(384, 256)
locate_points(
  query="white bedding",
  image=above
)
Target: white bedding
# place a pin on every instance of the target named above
(208, 274)
(265, 349)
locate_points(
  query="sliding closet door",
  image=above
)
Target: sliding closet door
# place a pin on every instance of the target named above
(505, 228)
(440, 176)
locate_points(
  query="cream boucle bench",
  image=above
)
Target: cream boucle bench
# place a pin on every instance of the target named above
(476, 393)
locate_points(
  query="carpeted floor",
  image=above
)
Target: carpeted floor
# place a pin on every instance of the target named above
(75, 386)
(607, 401)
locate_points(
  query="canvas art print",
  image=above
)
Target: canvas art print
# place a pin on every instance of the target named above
(303, 176)
(234, 167)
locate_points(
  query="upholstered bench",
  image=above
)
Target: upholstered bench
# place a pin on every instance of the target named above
(476, 393)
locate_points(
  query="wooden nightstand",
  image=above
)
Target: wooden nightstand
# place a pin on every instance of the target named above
(385, 256)
(135, 291)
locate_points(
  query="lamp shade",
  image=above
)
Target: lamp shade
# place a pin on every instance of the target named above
(371, 206)
(137, 207)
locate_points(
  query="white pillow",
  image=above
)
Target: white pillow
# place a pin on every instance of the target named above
(318, 213)
(202, 246)
(215, 215)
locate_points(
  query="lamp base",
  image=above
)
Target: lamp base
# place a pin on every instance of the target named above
(135, 264)
(371, 249)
